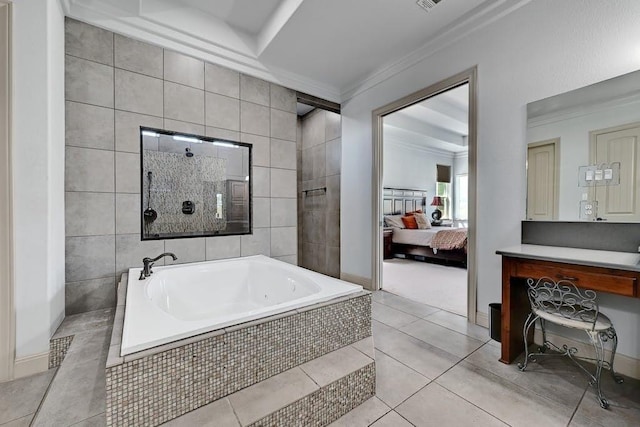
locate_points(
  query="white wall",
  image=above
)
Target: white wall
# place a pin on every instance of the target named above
(410, 167)
(38, 172)
(542, 49)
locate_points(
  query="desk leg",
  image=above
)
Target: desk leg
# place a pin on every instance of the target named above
(515, 308)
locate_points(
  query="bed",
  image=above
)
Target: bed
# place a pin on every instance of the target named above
(442, 243)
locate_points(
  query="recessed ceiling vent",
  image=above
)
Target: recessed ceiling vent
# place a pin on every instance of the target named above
(428, 4)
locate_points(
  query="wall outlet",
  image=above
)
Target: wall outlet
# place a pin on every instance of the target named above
(588, 209)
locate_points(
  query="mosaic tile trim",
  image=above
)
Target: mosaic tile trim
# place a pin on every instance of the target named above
(162, 386)
(326, 405)
(58, 350)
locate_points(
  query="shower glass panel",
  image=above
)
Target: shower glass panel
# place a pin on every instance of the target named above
(193, 186)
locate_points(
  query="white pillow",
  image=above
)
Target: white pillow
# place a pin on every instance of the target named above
(422, 221)
(394, 221)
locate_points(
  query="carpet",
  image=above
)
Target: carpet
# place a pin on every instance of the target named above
(437, 285)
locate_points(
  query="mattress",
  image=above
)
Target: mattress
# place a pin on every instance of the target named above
(413, 237)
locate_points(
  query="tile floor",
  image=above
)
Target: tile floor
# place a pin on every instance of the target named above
(433, 368)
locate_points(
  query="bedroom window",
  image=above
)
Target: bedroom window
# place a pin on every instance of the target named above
(443, 189)
(462, 194)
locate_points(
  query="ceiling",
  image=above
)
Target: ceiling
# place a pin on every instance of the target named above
(332, 49)
(248, 16)
(439, 123)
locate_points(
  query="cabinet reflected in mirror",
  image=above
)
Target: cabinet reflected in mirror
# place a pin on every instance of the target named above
(193, 186)
(588, 130)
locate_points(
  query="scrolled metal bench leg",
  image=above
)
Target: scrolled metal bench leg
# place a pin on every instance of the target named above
(610, 334)
(596, 340)
(531, 320)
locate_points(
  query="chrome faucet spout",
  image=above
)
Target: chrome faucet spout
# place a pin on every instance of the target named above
(148, 263)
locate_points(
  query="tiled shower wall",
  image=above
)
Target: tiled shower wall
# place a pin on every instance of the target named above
(320, 146)
(115, 84)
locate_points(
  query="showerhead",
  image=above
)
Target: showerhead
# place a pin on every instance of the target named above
(188, 152)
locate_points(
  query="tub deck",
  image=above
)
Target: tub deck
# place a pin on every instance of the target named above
(170, 380)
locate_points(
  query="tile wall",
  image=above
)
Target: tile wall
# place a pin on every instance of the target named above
(115, 84)
(319, 153)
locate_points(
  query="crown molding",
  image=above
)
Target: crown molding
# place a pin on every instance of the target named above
(461, 155)
(584, 110)
(418, 147)
(471, 22)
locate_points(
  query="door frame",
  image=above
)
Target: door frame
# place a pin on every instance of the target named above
(7, 315)
(468, 76)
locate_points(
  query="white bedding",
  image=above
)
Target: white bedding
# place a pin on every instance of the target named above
(413, 237)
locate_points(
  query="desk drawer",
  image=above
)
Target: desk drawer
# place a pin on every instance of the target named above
(613, 283)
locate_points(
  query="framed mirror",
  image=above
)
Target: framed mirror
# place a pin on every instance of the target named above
(193, 186)
(583, 154)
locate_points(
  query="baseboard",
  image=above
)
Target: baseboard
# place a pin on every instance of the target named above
(30, 365)
(624, 365)
(482, 319)
(365, 282)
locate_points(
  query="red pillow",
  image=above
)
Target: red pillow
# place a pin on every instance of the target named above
(410, 222)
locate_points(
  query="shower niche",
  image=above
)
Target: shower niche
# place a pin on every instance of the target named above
(193, 186)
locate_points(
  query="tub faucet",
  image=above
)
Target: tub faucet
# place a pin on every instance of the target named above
(148, 263)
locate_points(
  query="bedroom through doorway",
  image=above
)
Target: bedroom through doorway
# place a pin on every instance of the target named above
(425, 201)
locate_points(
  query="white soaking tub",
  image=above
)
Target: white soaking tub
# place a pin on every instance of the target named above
(181, 301)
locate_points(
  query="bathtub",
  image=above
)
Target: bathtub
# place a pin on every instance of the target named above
(182, 301)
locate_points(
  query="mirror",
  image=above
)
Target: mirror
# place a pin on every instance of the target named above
(193, 186)
(583, 154)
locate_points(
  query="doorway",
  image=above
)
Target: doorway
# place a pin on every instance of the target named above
(440, 192)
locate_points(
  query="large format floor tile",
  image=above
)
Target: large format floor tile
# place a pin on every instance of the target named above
(420, 356)
(392, 419)
(459, 324)
(624, 404)
(395, 382)
(91, 321)
(391, 316)
(78, 393)
(363, 415)
(404, 304)
(21, 398)
(552, 377)
(436, 406)
(503, 399)
(446, 339)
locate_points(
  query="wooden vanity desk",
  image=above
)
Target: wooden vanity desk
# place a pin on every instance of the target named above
(603, 271)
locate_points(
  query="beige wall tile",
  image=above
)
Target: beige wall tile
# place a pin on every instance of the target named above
(183, 69)
(88, 82)
(137, 56)
(137, 93)
(88, 42)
